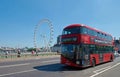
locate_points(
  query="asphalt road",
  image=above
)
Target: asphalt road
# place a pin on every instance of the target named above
(50, 67)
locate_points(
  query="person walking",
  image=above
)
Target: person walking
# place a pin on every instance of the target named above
(6, 54)
(18, 53)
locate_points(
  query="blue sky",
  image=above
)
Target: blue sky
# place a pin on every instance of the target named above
(19, 17)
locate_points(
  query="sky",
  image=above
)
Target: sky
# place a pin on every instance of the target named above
(18, 19)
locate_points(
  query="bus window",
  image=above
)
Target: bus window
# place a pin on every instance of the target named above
(84, 30)
(92, 49)
(75, 30)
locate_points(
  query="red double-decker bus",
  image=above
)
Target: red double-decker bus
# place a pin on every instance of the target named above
(84, 46)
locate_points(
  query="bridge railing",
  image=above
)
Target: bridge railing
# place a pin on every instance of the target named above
(26, 55)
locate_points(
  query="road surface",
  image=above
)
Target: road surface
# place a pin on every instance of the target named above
(51, 67)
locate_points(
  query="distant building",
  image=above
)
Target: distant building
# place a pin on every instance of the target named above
(59, 39)
(57, 47)
(117, 44)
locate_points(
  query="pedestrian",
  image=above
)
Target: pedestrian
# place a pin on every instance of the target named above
(18, 53)
(33, 52)
(6, 54)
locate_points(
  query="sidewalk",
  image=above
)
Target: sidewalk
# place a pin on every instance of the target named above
(27, 58)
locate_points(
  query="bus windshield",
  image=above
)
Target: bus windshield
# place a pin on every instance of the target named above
(68, 50)
(74, 30)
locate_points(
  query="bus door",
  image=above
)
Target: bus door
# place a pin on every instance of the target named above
(100, 50)
(77, 54)
(100, 56)
(85, 55)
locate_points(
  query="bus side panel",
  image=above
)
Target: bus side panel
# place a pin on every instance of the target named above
(96, 57)
(107, 57)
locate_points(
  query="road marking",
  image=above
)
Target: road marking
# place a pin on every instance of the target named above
(26, 64)
(14, 65)
(50, 61)
(17, 72)
(96, 71)
(22, 65)
(105, 70)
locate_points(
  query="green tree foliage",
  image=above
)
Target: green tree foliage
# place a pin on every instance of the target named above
(31, 49)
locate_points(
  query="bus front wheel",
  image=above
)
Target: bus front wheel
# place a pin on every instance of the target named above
(93, 63)
(111, 59)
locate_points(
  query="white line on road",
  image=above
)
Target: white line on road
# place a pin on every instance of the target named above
(17, 72)
(50, 61)
(96, 71)
(14, 65)
(105, 70)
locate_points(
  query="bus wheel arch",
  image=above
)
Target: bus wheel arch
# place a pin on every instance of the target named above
(111, 58)
(93, 62)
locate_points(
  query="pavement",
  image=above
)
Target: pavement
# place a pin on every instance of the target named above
(27, 58)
